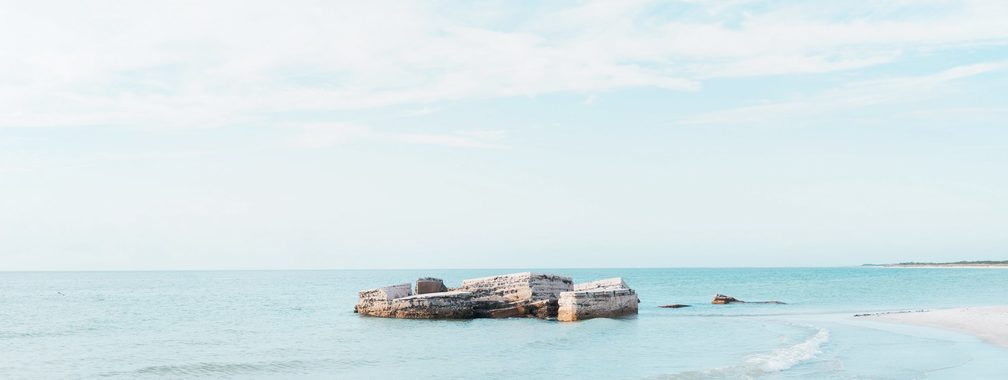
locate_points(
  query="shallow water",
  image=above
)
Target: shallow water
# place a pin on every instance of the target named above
(281, 324)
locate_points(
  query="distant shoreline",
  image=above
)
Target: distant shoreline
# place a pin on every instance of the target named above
(960, 264)
(991, 266)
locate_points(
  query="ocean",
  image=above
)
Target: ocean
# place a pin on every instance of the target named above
(300, 324)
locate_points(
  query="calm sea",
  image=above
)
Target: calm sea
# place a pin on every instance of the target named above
(300, 324)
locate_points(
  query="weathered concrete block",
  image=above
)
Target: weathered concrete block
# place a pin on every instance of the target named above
(397, 301)
(517, 287)
(442, 305)
(609, 283)
(575, 306)
(543, 309)
(597, 299)
(430, 285)
(372, 301)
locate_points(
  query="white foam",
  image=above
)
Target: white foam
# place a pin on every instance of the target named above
(787, 357)
(762, 364)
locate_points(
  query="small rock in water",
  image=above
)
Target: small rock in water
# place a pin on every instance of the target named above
(721, 299)
(673, 306)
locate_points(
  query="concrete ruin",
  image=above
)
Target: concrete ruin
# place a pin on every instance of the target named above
(544, 296)
(430, 285)
(607, 298)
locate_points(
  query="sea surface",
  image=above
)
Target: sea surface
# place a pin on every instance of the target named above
(300, 324)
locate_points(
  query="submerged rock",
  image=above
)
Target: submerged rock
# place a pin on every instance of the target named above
(597, 299)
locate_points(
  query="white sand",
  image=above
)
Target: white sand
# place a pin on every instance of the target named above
(987, 323)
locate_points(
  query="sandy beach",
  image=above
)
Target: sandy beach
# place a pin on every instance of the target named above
(987, 323)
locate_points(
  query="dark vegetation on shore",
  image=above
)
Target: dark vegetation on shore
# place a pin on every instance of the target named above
(914, 263)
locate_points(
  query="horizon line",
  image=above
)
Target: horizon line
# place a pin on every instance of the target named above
(425, 268)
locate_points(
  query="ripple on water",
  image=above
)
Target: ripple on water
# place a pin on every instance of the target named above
(211, 369)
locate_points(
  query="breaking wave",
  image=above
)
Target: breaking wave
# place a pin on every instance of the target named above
(765, 363)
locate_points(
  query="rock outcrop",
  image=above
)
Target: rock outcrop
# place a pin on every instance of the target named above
(721, 299)
(526, 294)
(597, 299)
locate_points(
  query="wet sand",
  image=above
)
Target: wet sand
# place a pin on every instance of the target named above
(987, 323)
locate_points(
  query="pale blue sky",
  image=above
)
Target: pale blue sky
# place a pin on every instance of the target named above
(256, 135)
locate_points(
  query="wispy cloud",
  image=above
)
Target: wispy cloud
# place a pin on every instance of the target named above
(850, 96)
(424, 111)
(326, 135)
(14, 168)
(110, 63)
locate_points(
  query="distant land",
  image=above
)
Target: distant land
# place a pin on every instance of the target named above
(957, 264)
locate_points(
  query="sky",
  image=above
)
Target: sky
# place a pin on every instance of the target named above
(163, 135)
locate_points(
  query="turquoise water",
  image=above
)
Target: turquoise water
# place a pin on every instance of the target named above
(284, 324)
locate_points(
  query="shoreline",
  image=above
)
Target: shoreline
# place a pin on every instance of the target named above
(980, 266)
(989, 323)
